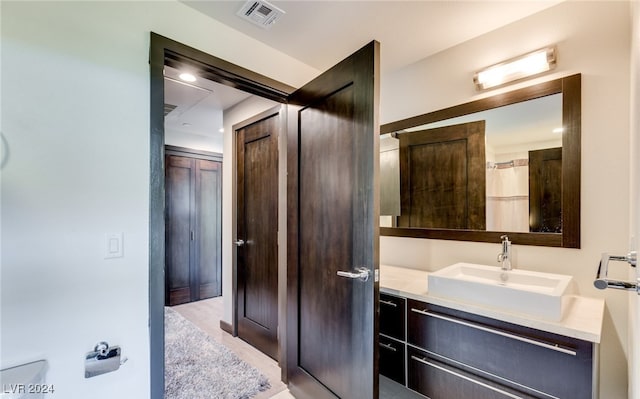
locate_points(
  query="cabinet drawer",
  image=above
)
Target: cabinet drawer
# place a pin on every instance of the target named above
(438, 380)
(392, 363)
(392, 316)
(541, 363)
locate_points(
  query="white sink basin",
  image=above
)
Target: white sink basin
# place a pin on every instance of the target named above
(540, 295)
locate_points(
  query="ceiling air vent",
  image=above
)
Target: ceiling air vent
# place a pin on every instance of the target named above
(260, 13)
(168, 108)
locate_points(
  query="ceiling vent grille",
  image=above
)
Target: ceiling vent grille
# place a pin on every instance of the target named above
(260, 12)
(168, 108)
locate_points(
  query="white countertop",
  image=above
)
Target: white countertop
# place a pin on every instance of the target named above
(582, 321)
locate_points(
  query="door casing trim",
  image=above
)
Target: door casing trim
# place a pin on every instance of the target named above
(164, 51)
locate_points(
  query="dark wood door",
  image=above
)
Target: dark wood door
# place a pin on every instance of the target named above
(208, 229)
(545, 190)
(333, 217)
(193, 234)
(442, 177)
(257, 227)
(178, 253)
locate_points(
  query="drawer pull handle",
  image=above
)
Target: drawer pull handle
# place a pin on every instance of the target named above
(497, 332)
(464, 377)
(387, 346)
(389, 303)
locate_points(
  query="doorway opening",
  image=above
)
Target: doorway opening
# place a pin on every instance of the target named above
(165, 52)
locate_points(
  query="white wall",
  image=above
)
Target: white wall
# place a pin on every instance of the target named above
(75, 85)
(593, 38)
(194, 141)
(634, 300)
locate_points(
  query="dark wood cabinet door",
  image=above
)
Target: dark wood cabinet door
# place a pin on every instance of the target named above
(333, 218)
(193, 260)
(438, 380)
(540, 363)
(392, 359)
(208, 227)
(392, 316)
(257, 226)
(178, 253)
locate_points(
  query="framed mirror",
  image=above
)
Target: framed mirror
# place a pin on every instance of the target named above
(506, 164)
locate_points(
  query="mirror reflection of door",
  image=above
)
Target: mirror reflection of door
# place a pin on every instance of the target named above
(511, 133)
(257, 227)
(442, 177)
(545, 186)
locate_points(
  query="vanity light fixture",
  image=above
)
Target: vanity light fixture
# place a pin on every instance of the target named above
(558, 130)
(521, 67)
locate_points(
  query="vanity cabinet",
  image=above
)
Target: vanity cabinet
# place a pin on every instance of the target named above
(457, 354)
(437, 379)
(392, 339)
(392, 316)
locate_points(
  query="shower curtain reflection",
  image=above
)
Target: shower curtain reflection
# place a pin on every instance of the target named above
(508, 196)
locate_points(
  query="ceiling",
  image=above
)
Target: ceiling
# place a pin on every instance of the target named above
(196, 108)
(320, 33)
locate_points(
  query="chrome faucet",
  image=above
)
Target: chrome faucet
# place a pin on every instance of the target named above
(505, 256)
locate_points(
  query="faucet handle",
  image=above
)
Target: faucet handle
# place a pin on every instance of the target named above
(504, 237)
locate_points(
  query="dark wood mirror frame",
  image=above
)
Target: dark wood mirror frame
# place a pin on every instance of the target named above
(570, 87)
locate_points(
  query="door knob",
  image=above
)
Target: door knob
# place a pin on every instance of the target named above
(362, 274)
(239, 243)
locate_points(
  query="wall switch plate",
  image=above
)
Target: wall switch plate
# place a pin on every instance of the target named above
(114, 245)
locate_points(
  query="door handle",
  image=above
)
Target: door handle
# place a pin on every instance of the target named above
(239, 243)
(602, 281)
(362, 274)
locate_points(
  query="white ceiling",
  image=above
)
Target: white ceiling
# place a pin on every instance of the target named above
(199, 104)
(320, 33)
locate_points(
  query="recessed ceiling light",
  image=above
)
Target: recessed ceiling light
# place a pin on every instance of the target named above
(186, 124)
(221, 130)
(187, 77)
(558, 130)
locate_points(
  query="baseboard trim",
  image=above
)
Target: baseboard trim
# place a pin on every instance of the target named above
(226, 327)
